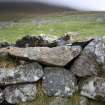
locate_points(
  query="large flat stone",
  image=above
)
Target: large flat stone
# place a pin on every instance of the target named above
(57, 56)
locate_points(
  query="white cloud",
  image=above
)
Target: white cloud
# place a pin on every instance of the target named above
(90, 5)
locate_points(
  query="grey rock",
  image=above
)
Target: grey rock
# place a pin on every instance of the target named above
(58, 82)
(2, 75)
(85, 65)
(94, 88)
(83, 100)
(59, 101)
(30, 72)
(24, 73)
(1, 96)
(63, 40)
(20, 93)
(57, 56)
(97, 46)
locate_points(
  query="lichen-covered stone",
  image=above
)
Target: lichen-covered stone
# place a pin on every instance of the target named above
(20, 93)
(30, 72)
(58, 82)
(97, 46)
(57, 56)
(24, 73)
(94, 88)
(85, 65)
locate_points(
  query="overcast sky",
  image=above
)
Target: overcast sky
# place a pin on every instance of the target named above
(89, 5)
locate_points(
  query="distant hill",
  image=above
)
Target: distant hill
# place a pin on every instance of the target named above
(30, 7)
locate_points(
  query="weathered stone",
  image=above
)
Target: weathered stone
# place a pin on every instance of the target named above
(30, 72)
(59, 101)
(58, 56)
(25, 73)
(97, 46)
(1, 96)
(85, 65)
(60, 41)
(94, 88)
(58, 82)
(20, 93)
(83, 100)
(63, 40)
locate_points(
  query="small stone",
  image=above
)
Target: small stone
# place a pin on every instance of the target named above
(83, 100)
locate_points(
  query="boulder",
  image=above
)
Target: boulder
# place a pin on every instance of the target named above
(56, 56)
(22, 74)
(85, 65)
(20, 93)
(58, 82)
(94, 88)
(31, 72)
(97, 46)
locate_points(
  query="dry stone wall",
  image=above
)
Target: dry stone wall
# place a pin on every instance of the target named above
(62, 70)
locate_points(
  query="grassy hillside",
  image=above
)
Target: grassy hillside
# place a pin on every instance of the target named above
(15, 26)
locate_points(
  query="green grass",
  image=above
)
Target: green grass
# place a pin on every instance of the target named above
(58, 25)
